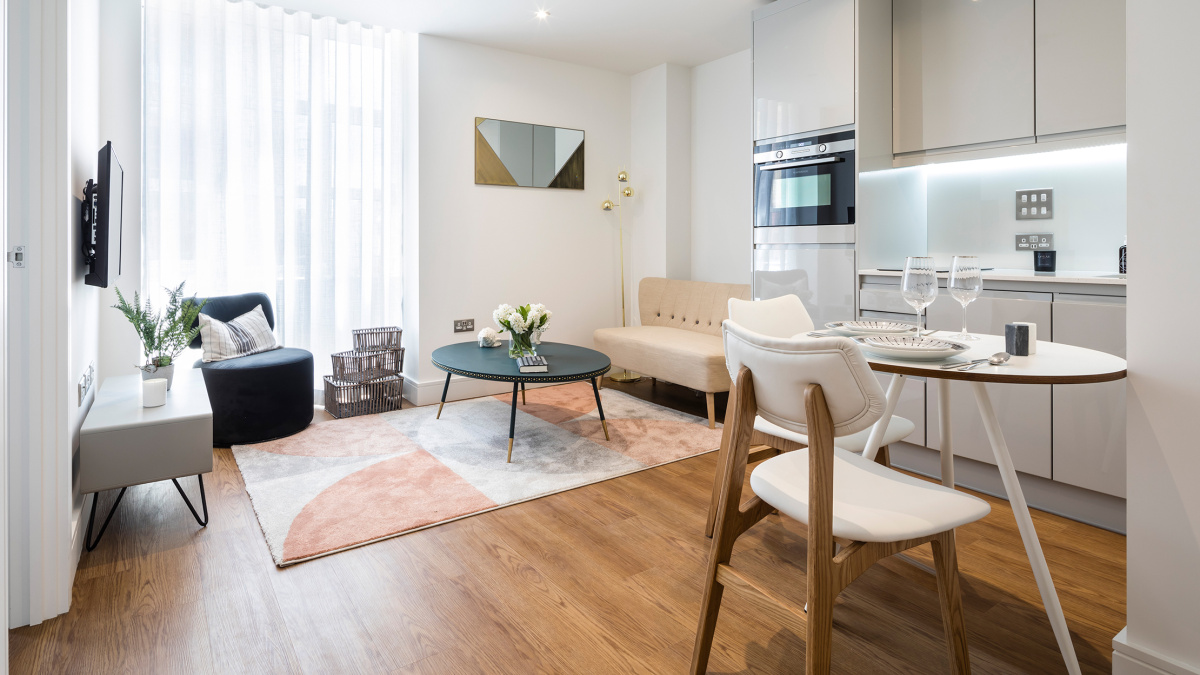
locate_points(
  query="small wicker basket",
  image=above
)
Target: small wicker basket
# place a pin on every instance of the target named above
(350, 399)
(364, 366)
(374, 339)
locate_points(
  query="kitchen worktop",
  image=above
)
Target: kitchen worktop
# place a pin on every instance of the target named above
(1062, 277)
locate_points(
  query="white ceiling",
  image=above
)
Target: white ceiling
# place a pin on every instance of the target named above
(622, 35)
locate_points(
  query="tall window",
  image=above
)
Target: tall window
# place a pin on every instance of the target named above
(272, 163)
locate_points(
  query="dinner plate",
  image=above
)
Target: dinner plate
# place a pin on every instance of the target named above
(910, 347)
(852, 328)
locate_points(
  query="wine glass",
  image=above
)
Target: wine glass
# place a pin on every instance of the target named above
(966, 282)
(919, 285)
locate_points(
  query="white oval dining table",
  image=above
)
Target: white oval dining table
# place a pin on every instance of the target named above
(1053, 363)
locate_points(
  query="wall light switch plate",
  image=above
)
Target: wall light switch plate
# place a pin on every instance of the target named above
(1035, 204)
(1038, 241)
(464, 325)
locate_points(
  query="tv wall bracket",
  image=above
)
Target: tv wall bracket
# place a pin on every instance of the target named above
(87, 221)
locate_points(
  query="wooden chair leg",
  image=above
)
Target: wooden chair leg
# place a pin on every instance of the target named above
(946, 562)
(884, 457)
(712, 409)
(821, 590)
(719, 478)
(730, 522)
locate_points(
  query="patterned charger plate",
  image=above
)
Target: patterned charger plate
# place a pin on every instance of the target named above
(853, 328)
(910, 347)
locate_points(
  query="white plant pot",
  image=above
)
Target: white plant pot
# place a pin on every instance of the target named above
(166, 372)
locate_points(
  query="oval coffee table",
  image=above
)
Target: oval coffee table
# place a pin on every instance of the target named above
(567, 363)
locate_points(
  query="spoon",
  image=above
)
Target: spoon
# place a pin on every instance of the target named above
(997, 359)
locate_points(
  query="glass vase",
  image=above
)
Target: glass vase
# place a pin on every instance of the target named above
(521, 345)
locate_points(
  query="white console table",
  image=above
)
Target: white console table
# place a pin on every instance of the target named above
(123, 444)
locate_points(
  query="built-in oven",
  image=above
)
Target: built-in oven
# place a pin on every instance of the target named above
(805, 181)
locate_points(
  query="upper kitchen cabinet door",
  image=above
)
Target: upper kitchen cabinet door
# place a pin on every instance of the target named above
(1080, 65)
(962, 73)
(803, 68)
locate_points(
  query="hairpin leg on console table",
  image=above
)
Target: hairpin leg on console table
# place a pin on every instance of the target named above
(87, 538)
(91, 544)
(203, 501)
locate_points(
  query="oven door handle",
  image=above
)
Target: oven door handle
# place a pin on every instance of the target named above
(789, 165)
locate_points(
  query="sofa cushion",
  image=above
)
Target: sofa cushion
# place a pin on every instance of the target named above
(684, 357)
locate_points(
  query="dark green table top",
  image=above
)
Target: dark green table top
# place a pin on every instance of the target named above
(567, 363)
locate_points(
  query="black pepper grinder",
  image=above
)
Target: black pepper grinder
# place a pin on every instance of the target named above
(1124, 245)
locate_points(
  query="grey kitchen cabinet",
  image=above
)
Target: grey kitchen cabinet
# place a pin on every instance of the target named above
(962, 74)
(803, 67)
(1023, 409)
(1080, 65)
(1089, 419)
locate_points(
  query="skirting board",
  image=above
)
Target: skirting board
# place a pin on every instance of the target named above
(1068, 501)
(1129, 659)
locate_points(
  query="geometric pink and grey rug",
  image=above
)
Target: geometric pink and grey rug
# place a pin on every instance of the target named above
(345, 483)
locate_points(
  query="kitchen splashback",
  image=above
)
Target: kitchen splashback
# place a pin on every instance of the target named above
(969, 209)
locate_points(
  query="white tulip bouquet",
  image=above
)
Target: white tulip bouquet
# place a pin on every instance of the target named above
(525, 325)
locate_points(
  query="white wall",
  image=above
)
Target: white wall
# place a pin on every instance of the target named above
(84, 143)
(722, 176)
(482, 245)
(120, 121)
(658, 217)
(1163, 556)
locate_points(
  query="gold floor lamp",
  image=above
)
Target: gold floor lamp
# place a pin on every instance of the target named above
(622, 191)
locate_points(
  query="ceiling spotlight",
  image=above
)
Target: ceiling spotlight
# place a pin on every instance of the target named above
(542, 14)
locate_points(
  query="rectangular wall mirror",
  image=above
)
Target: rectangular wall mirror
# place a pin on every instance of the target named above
(527, 155)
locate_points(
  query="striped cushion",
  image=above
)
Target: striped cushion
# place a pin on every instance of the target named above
(248, 334)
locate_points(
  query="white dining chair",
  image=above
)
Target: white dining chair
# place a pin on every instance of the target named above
(786, 317)
(822, 388)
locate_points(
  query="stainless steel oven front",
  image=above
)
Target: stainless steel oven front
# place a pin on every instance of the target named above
(804, 181)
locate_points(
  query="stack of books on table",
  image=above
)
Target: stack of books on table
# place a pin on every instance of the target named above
(533, 364)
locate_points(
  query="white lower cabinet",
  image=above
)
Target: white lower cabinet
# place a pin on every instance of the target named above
(1089, 419)
(1023, 409)
(1073, 434)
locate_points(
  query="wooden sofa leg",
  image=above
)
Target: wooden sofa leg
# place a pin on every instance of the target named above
(712, 409)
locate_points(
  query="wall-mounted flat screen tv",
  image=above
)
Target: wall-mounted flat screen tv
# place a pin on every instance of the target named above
(101, 220)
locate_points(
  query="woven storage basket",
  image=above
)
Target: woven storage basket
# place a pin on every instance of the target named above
(350, 399)
(364, 366)
(372, 339)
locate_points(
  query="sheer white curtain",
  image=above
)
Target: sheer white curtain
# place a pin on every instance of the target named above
(272, 163)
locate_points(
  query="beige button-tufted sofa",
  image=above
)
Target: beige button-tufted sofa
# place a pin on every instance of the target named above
(680, 337)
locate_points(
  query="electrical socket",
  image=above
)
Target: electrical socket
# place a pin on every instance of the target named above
(86, 381)
(1035, 204)
(464, 325)
(1037, 241)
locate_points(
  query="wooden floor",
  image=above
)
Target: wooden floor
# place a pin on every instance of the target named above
(601, 579)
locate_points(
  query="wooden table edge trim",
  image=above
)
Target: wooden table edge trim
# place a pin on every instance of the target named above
(998, 378)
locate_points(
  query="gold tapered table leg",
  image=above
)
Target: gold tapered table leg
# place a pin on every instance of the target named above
(509, 460)
(440, 406)
(604, 423)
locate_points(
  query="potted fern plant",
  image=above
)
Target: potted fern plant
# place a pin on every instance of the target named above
(164, 335)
